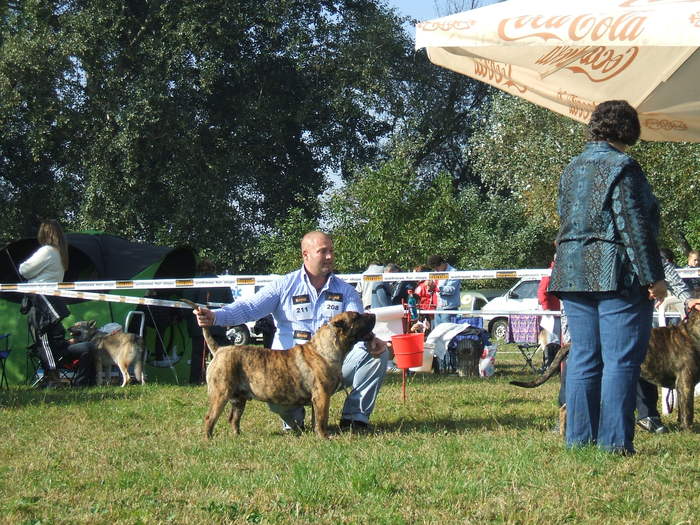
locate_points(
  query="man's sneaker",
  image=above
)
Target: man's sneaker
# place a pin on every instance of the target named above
(354, 426)
(652, 424)
(296, 429)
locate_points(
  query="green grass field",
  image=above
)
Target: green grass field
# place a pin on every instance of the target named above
(457, 451)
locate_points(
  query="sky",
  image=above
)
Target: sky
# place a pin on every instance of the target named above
(423, 10)
(419, 9)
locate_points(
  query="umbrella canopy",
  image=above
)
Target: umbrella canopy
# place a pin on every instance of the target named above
(570, 56)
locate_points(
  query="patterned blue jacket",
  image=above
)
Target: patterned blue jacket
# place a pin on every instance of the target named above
(609, 224)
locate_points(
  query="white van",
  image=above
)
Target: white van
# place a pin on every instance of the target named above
(521, 297)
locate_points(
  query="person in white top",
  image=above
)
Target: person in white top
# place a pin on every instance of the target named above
(48, 264)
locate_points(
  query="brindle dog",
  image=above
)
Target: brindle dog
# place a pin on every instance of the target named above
(672, 361)
(121, 349)
(305, 373)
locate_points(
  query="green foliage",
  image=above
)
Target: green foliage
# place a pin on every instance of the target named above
(282, 247)
(521, 150)
(389, 214)
(673, 170)
(34, 122)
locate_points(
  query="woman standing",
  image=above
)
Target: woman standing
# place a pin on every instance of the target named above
(48, 264)
(607, 272)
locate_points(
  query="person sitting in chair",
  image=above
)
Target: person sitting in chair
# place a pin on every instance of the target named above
(48, 264)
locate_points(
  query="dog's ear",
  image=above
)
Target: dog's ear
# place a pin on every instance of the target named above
(339, 322)
(92, 323)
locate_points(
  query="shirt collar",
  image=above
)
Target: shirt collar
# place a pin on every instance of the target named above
(305, 278)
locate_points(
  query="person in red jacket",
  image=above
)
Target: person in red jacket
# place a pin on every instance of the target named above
(426, 292)
(549, 301)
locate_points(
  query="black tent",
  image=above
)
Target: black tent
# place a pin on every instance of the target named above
(99, 256)
(93, 256)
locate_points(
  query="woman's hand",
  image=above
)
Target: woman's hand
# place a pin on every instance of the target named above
(693, 304)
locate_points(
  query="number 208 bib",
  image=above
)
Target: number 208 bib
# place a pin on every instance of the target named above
(333, 305)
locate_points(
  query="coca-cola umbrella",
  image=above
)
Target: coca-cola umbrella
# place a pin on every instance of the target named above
(570, 56)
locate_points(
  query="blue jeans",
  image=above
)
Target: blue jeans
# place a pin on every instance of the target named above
(609, 338)
(362, 373)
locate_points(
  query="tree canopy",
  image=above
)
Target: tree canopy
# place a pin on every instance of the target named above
(521, 149)
(221, 125)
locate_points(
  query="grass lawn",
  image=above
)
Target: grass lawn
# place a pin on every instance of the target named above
(457, 451)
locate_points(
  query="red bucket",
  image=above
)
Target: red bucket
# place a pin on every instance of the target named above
(408, 350)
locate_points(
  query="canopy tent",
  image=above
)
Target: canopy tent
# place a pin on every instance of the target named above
(570, 56)
(95, 256)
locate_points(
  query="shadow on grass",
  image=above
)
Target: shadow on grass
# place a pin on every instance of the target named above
(27, 396)
(445, 425)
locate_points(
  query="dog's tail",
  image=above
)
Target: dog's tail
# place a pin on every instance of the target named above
(551, 370)
(211, 342)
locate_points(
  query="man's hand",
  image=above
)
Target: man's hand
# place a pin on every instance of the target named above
(205, 317)
(376, 347)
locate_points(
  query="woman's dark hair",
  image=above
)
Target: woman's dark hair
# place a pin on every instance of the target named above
(614, 121)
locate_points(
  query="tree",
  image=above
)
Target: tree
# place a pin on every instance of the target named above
(204, 123)
(391, 215)
(34, 120)
(521, 150)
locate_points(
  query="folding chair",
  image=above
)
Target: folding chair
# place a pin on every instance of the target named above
(66, 366)
(524, 330)
(4, 354)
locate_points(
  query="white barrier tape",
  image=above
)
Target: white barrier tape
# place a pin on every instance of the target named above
(90, 296)
(251, 280)
(144, 284)
(495, 313)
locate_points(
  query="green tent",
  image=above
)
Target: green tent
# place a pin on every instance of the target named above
(98, 256)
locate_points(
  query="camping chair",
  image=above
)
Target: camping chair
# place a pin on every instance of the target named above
(65, 366)
(524, 330)
(4, 354)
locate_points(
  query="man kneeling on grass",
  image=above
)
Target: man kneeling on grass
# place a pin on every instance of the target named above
(301, 302)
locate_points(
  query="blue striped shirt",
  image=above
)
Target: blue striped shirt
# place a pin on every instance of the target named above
(299, 310)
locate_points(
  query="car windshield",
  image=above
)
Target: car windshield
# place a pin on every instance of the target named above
(526, 289)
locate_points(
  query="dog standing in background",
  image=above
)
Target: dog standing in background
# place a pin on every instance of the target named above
(672, 361)
(119, 348)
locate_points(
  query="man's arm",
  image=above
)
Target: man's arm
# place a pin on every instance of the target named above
(244, 310)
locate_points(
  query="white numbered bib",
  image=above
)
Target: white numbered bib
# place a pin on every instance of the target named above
(302, 310)
(333, 305)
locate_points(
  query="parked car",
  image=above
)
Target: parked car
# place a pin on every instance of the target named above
(521, 297)
(244, 334)
(476, 299)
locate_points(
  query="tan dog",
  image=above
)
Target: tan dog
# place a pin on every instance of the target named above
(121, 349)
(672, 361)
(305, 373)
